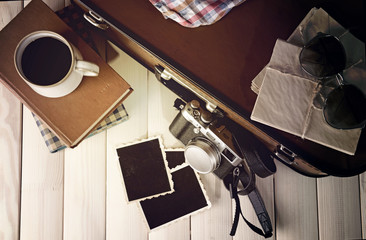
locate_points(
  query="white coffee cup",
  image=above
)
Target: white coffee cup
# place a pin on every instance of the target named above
(51, 65)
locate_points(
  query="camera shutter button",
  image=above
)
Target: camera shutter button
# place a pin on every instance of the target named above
(206, 117)
(195, 104)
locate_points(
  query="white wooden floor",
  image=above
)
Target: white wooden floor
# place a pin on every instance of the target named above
(78, 194)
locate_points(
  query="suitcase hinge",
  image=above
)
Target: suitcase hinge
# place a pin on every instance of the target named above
(96, 20)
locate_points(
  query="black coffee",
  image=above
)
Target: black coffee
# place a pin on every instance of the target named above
(46, 61)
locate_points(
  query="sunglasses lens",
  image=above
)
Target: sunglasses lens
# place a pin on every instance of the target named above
(323, 56)
(345, 108)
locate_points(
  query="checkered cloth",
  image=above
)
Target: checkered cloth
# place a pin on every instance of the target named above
(54, 144)
(72, 15)
(194, 13)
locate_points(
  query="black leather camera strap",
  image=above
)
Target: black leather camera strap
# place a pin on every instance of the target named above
(258, 157)
(231, 182)
(259, 162)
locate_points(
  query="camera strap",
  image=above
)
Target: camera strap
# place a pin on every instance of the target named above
(231, 181)
(258, 161)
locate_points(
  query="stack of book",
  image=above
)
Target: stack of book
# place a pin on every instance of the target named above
(75, 116)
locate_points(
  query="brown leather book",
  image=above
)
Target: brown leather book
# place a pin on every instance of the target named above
(76, 115)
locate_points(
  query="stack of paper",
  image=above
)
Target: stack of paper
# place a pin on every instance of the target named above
(286, 93)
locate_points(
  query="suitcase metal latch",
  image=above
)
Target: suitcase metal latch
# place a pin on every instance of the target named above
(285, 154)
(96, 20)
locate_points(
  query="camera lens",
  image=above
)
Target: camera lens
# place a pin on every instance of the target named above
(202, 155)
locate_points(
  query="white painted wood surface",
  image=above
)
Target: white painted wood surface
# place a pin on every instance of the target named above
(78, 193)
(160, 114)
(10, 164)
(124, 220)
(42, 185)
(10, 146)
(363, 203)
(295, 205)
(341, 195)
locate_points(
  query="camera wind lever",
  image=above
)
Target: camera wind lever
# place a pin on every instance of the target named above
(255, 198)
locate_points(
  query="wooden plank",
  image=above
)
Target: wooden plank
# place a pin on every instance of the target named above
(42, 182)
(363, 202)
(266, 189)
(160, 114)
(125, 219)
(84, 197)
(85, 184)
(214, 223)
(55, 5)
(339, 208)
(161, 111)
(10, 145)
(8, 10)
(295, 205)
(10, 163)
(42, 185)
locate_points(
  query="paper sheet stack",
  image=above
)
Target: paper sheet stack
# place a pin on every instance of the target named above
(286, 93)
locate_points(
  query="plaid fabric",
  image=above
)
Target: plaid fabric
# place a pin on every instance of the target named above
(194, 13)
(72, 15)
(54, 144)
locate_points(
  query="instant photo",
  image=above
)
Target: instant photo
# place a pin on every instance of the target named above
(144, 169)
(188, 198)
(175, 157)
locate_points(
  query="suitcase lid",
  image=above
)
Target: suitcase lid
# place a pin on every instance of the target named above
(223, 58)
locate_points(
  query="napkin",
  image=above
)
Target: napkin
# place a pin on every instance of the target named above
(285, 102)
(286, 93)
(318, 20)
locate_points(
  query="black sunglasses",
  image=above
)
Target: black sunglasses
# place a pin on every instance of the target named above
(343, 104)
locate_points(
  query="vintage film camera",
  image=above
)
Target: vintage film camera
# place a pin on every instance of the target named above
(210, 145)
(216, 144)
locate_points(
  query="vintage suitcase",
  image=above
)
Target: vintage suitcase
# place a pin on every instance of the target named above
(218, 62)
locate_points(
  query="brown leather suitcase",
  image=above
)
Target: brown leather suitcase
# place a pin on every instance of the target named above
(218, 62)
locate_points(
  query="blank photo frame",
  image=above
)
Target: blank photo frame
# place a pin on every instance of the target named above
(188, 198)
(144, 169)
(175, 157)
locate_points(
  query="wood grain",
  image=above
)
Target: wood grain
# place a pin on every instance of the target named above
(160, 114)
(78, 194)
(10, 164)
(9, 9)
(125, 219)
(161, 111)
(10, 145)
(42, 185)
(295, 205)
(339, 208)
(266, 188)
(55, 5)
(214, 223)
(85, 192)
(363, 203)
(85, 184)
